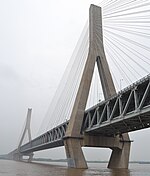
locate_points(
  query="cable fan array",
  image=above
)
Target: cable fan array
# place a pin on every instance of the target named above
(126, 35)
(126, 27)
(61, 105)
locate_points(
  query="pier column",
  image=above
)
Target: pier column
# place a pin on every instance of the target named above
(120, 157)
(17, 157)
(74, 153)
(30, 157)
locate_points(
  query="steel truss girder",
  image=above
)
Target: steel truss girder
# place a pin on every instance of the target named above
(50, 139)
(119, 112)
(127, 111)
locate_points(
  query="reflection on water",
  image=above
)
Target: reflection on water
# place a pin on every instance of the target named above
(95, 172)
(12, 168)
(74, 172)
(120, 172)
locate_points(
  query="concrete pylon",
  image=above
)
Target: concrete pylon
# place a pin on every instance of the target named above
(73, 137)
(73, 140)
(28, 131)
(27, 128)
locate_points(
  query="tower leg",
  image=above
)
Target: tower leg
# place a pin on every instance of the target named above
(74, 153)
(120, 157)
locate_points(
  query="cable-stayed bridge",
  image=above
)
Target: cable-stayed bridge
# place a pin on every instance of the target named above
(107, 123)
(106, 118)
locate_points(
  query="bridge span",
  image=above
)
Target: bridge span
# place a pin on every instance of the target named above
(127, 111)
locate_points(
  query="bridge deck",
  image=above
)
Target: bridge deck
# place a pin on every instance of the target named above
(127, 111)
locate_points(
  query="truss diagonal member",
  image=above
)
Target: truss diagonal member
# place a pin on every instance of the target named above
(102, 115)
(114, 108)
(127, 103)
(136, 98)
(144, 97)
(94, 117)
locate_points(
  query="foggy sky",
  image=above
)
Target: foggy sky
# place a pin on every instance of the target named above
(37, 39)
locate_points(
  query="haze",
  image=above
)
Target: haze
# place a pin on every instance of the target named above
(37, 39)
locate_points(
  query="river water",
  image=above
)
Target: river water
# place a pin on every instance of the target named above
(12, 168)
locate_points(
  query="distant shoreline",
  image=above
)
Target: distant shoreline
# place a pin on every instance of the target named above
(65, 160)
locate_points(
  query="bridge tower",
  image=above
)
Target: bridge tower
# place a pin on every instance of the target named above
(74, 140)
(18, 155)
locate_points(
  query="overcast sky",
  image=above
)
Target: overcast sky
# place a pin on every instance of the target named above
(37, 38)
